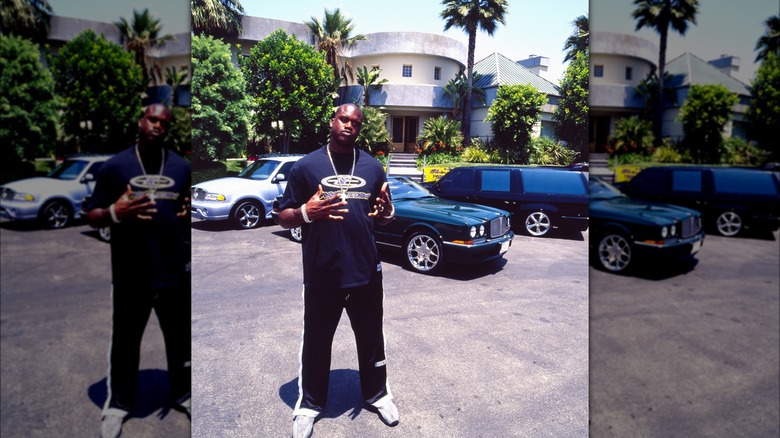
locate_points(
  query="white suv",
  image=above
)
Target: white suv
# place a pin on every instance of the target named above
(245, 199)
(55, 199)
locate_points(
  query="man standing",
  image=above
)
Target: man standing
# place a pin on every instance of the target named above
(337, 193)
(143, 194)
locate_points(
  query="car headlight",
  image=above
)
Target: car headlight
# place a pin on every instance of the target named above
(673, 230)
(214, 197)
(473, 232)
(23, 197)
(482, 230)
(664, 232)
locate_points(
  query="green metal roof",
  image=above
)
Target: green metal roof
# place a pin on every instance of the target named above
(687, 69)
(497, 69)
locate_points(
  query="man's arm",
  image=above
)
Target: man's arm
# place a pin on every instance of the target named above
(124, 208)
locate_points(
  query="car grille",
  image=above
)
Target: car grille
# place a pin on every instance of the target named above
(499, 227)
(7, 194)
(691, 226)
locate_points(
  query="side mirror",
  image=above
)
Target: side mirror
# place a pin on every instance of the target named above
(87, 178)
(280, 177)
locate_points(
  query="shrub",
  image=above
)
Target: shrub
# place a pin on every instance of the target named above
(632, 135)
(737, 151)
(438, 158)
(475, 154)
(546, 151)
(667, 154)
(440, 135)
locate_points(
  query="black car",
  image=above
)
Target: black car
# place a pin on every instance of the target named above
(624, 230)
(540, 199)
(730, 199)
(429, 230)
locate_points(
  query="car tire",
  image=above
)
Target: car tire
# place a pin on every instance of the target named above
(728, 223)
(615, 252)
(247, 215)
(55, 215)
(538, 224)
(296, 233)
(424, 252)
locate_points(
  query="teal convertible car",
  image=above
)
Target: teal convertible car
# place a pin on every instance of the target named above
(430, 231)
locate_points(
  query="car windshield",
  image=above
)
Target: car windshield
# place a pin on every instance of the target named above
(68, 170)
(259, 170)
(602, 190)
(401, 188)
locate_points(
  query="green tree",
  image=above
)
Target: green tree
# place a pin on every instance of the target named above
(334, 34)
(140, 35)
(369, 79)
(218, 18)
(632, 135)
(571, 114)
(101, 86)
(220, 103)
(373, 137)
(579, 40)
(471, 16)
(176, 78)
(30, 109)
(513, 114)
(660, 16)
(26, 18)
(703, 115)
(458, 90)
(770, 41)
(764, 111)
(179, 136)
(291, 85)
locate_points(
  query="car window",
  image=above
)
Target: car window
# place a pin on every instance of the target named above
(457, 179)
(260, 169)
(554, 181)
(741, 181)
(285, 170)
(496, 180)
(94, 168)
(602, 190)
(406, 189)
(686, 180)
(68, 169)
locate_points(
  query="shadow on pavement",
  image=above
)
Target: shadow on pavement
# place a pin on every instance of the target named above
(153, 394)
(343, 394)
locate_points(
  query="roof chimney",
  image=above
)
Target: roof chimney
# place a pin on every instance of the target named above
(537, 64)
(728, 64)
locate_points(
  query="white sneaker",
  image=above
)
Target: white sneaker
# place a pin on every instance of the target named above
(111, 426)
(388, 413)
(303, 426)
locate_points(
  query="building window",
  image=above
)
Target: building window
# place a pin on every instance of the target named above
(437, 73)
(598, 71)
(407, 71)
(629, 72)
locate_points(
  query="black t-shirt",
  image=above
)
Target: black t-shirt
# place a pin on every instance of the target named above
(147, 252)
(337, 253)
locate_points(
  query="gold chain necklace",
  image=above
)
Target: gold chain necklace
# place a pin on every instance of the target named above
(341, 180)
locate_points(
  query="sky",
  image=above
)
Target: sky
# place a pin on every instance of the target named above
(529, 29)
(723, 27)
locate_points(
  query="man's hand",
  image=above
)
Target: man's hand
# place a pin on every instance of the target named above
(327, 208)
(141, 208)
(382, 204)
(185, 208)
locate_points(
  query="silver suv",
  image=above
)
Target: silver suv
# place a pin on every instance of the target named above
(245, 199)
(55, 199)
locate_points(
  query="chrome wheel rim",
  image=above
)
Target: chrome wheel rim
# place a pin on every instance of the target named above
(614, 252)
(729, 223)
(537, 224)
(297, 233)
(248, 215)
(56, 215)
(423, 252)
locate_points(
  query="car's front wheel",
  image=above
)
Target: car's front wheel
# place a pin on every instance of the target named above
(728, 223)
(55, 215)
(615, 252)
(424, 252)
(247, 215)
(538, 224)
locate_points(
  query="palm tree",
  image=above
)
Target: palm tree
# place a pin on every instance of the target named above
(770, 41)
(458, 89)
(176, 78)
(472, 15)
(140, 35)
(26, 18)
(334, 35)
(369, 79)
(579, 39)
(220, 18)
(661, 15)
